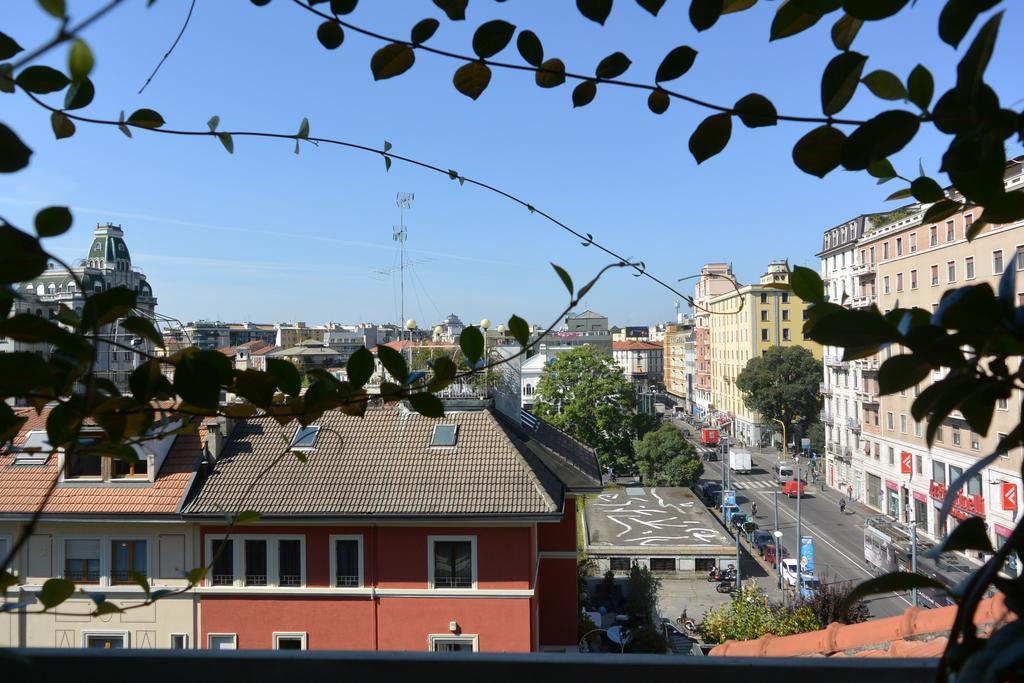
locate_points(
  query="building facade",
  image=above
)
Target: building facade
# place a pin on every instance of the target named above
(642, 362)
(715, 279)
(580, 329)
(678, 351)
(745, 323)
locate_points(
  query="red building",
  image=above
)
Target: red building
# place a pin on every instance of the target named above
(392, 532)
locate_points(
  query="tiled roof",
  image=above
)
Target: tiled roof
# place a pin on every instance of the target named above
(575, 463)
(636, 346)
(915, 633)
(24, 486)
(381, 464)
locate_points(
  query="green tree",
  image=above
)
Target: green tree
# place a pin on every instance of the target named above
(585, 393)
(782, 384)
(816, 433)
(642, 593)
(683, 470)
(665, 458)
(750, 615)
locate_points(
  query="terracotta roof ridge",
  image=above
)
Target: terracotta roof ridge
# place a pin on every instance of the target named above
(526, 461)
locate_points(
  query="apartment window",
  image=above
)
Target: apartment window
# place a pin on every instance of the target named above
(917, 428)
(878, 451)
(899, 282)
(764, 297)
(892, 456)
(764, 315)
(1020, 258)
(222, 641)
(179, 641)
(885, 284)
(935, 276)
(663, 564)
(913, 279)
(289, 562)
(951, 271)
(123, 469)
(950, 231)
(80, 465)
(1002, 404)
(899, 246)
(975, 442)
(938, 472)
(445, 643)
(223, 554)
(956, 435)
(918, 464)
(885, 250)
(997, 262)
(764, 334)
(999, 439)
(127, 558)
(933, 236)
(912, 238)
(969, 268)
(82, 560)
(889, 421)
(453, 562)
(785, 334)
(955, 473)
(968, 222)
(903, 424)
(785, 314)
(871, 251)
(289, 641)
(619, 564)
(348, 561)
(255, 562)
(785, 297)
(938, 435)
(105, 641)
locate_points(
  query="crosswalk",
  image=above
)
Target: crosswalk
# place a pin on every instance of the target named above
(752, 484)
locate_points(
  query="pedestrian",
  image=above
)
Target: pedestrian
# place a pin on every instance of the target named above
(849, 491)
(753, 509)
(842, 505)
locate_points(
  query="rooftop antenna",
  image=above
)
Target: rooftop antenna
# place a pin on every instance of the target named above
(404, 201)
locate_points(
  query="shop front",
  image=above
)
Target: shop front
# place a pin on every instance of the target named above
(892, 494)
(874, 491)
(965, 505)
(921, 511)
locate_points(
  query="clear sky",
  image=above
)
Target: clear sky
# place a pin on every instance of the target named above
(269, 236)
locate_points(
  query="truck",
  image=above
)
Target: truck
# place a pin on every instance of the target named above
(739, 461)
(709, 436)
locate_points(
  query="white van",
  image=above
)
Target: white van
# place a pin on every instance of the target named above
(783, 472)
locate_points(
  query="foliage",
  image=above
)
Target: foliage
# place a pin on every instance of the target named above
(584, 625)
(816, 433)
(665, 458)
(585, 393)
(643, 423)
(642, 593)
(585, 568)
(782, 384)
(647, 640)
(683, 470)
(750, 615)
(827, 604)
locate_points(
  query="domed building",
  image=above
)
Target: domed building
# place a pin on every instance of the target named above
(107, 265)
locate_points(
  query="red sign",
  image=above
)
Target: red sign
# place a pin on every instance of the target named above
(906, 463)
(963, 506)
(1009, 496)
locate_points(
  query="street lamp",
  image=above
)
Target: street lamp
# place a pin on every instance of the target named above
(410, 325)
(785, 447)
(778, 555)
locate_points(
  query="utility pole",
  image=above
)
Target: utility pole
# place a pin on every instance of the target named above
(799, 546)
(739, 579)
(913, 558)
(776, 510)
(404, 201)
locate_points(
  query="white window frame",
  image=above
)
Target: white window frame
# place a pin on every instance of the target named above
(126, 635)
(435, 638)
(358, 538)
(211, 636)
(1002, 257)
(278, 635)
(430, 561)
(238, 556)
(1001, 404)
(184, 638)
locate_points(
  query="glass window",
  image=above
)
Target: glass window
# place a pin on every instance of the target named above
(938, 435)
(305, 438)
(975, 441)
(223, 553)
(126, 469)
(346, 562)
(82, 465)
(1020, 258)
(899, 246)
(951, 271)
(933, 236)
(938, 472)
(955, 473)
(903, 424)
(764, 334)
(255, 562)
(619, 564)
(956, 436)
(913, 279)
(950, 231)
(764, 315)
(899, 282)
(289, 562)
(663, 564)
(785, 297)
(453, 564)
(997, 262)
(935, 275)
(889, 421)
(892, 456)
(289, 641)
(969, 268)
(764, 297)
(105, 641)
(913, 242)
(785, 314)
(885, 250)
(179, 641)
(127, 557)
(444, 435)
(885, 284)
(973, 487)
(447, 644)
(82, 560)
(223, 641)
(785, 334)
(918, 464)
(1002, 403)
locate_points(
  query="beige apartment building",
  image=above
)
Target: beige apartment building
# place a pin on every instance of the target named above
(745, 323)
(679, 338)
(907, 263)
(714, 279)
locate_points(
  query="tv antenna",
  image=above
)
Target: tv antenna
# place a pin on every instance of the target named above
(404, 201)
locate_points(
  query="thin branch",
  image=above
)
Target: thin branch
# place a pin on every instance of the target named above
(567, 74)
(171, 49)
(64, 34)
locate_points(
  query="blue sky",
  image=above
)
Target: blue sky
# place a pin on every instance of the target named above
(269, 236)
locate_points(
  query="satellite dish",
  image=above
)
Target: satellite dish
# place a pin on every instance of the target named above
(619, 635)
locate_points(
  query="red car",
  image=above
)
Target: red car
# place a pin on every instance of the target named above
(793, 488)
(769, 554)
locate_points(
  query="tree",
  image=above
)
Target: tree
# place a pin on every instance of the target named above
(816, 433)
(665, 458)
(750, 615)
(829, 604)
(585, 393)
(782, 384)
(642, 593)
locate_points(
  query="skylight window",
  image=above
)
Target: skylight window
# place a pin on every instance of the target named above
(305, 438)
(444, 435)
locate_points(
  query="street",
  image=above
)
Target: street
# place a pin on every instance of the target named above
(838, 537)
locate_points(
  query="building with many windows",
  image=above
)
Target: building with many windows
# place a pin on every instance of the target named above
(715, 279)
(642, 362)
(678, 350)
(744, 324)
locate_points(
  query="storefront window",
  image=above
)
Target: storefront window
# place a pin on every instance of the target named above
(938, 472)
(1012, 566)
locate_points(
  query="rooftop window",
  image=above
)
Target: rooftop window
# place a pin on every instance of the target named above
(444, 435)
(305, 438)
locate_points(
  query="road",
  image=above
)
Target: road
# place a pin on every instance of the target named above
(838, 537)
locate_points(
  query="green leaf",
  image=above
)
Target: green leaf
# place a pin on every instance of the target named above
(658, 101)
(444, 373)
(107, 306)
(971, 69)
(303, 133)
(595, 10)
(1006, 208)
(8, 46)
(564, 277)
(330, 34)
(551, 73)
(423, 30)
(839, 81)
(652, 6)
(756, 111)
(146, 118)
(705, 13)
(14, 156)
(146, 381)
(6, 78)
(900, 194)
(886, 85)
(391, 60)
(583, 94)
(427, 405)
(730, 6)
(710, 137)
(492, 37)
(286, 376)
(41, 80)
(958, 16)
(213, 123)
(612, 66)
(79, 95)
(677, 62)
(920, 87)
(196, 379)
(55, 8)
(530, 48)
(63, 127)
(970, 534)
(247, 517)
(926, 190)
(106, 607)
(455, 9)
(901, 372)
(143, 328)
(844, 31)
(807, 285)
(80, 60)
(852, 328)
(889, 583)
(471, 79)
(394, 362)
(343, 6)
(359, 367)
(790, 19)
(24, 257)
(53, 221)
(227, 141)
(519, 329)
(882, 169)
(471, 341)
(54, 592)
(873, 10)
(941, 209)
(879, 138)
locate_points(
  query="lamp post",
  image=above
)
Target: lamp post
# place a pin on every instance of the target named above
(484, 325)
(785, 453)
(410, 325)
(778, 557)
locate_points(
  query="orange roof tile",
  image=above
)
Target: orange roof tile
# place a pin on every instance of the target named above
(636, 346)
(915, 633)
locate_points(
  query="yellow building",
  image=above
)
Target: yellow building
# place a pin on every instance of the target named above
(745, 323)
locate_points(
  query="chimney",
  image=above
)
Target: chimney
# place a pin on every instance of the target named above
(214, 439)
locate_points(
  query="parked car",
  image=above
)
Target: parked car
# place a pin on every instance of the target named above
(793, 488)
(731, 511)
(761, 539)
(811, 587)
(710, 455)
(789, 568)
(770, 556)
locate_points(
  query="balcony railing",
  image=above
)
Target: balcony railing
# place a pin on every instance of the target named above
(853, 423)
(826, 417)
(862, 300)
(824, 389)
(868, 364)
(865, 268)
(836, 362)
(868, 396)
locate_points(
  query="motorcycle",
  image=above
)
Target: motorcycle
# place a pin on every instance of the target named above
(717, 574)
(725, 587)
